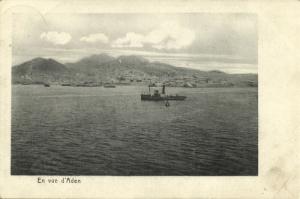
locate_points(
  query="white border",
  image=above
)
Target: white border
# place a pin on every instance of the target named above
(279, 88)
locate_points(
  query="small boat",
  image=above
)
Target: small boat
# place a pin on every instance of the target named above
(156, 96)
(109, 85)
(65, 84)
(46, 85)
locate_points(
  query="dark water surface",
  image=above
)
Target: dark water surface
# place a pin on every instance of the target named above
(110, 131)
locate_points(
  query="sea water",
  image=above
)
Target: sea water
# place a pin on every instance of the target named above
(109, 131)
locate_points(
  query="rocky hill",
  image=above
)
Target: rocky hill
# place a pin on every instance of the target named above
(97, 69)
(40, 70)
(90, 63)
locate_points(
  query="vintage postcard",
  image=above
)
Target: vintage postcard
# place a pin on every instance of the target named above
(136, 99)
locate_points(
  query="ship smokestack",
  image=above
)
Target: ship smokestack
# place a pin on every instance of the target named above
(163, 89)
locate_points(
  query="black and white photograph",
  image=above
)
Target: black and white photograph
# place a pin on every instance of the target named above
(134, 94)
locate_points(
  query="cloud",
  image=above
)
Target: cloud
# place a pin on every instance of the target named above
(131, 40)
(93, 38)
(168, 36)
(57, 38)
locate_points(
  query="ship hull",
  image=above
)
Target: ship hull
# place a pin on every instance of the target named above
(146, 97)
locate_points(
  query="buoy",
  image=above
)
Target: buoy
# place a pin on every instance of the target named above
(167, 103)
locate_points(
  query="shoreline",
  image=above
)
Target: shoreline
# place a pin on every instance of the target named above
(136, 85)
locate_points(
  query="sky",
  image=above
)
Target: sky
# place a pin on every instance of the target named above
(204, 41)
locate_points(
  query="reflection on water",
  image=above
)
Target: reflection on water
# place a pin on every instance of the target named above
(105, 131)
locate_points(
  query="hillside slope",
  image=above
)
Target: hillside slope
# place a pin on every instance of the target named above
(97, 69)
(40, 70)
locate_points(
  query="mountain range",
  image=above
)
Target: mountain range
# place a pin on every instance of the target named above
(132, 69)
